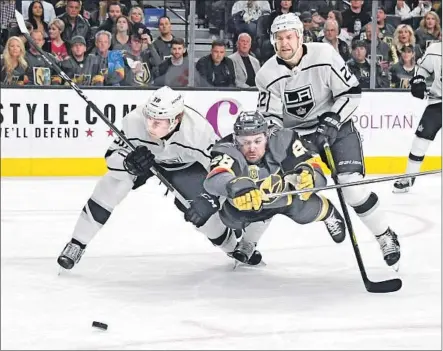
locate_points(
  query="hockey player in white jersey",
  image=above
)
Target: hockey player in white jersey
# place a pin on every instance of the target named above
(177, 141)
(430, 122)
(308, 88)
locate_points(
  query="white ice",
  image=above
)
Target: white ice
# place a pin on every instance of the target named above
(159, 284)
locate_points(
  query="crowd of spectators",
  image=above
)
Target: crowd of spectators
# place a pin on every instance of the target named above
(107, 43)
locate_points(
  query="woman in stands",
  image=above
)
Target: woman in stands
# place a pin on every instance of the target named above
(403, 71)
(429, 30)
(121, 34)
(404, 36)
(36, 17)
(58, 46)
(13, 63)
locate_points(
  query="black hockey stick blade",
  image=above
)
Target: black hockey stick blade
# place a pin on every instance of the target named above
(386, 286)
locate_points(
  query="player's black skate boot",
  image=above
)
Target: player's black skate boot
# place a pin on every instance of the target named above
(403, 185)
(71, 254)
(244, 250)
(335, 224)
(389, 246)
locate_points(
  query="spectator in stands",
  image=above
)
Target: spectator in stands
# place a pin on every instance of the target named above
(317, 23)
(102, 45)
(386, 30)
(164, 42)
(81, 67)
(354, 18)
(343, 35)
(215, 69)
(137, 18)
(245, 65)
(39, 71)
(403, 71)
(174, 71)
(58, 46)
(121, 34)
(429, 30)
(48, 10)
(331, 30)
(75, 24)
(246, 14)
(384, 52)
(13, 63)
(404, 11)
(308, 34)
(404, 36)
(359, 65)
(114, 12)
(140, 63)
(36, 18)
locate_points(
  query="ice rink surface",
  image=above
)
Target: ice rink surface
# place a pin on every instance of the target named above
(159, 284)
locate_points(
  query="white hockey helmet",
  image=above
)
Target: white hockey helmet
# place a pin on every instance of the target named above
(287, 21)
(164, 103)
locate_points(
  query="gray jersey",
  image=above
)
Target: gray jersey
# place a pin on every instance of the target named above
(320, 83)
(284, 152)
(430, 64)
(190, 143)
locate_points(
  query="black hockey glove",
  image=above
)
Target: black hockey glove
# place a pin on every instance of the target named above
(202, 208)
(139, 161)
(418, 86)
(329, 123)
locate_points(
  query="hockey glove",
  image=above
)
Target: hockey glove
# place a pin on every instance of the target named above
(139, 161)
(245, 194)
(302, 177)
(418, 87)
(202, 208)
(329, 124)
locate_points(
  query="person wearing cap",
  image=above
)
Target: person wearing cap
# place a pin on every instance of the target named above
(403, 70)
(360, 66)
(308, 34)
(75, 24)
(139, 62)
(79, 66)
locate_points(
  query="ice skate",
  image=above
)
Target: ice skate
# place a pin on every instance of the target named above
(335, 225)
(403, 185)
(390, 247)
(70, 255)
(245, 253)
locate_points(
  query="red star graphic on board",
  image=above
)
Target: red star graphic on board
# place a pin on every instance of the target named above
(110, 132)
(89, 132)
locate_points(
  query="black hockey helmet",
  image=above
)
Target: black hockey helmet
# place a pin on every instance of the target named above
(250, 123)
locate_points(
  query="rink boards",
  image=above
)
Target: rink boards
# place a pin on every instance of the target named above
(52, 132)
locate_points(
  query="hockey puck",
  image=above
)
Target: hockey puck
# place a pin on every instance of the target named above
(99, 325)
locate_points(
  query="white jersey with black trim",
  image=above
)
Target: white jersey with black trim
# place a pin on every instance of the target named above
(191, 142)
(428, 64)
(321, 82)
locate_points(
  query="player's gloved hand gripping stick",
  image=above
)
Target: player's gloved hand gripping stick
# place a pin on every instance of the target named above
(55, 67)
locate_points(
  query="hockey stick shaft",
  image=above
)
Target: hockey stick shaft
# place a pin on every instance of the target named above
(360, 182)
(56, 68)
(331, 163)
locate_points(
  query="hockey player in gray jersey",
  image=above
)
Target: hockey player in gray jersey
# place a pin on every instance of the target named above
(430, 122)
(308, 88)
(174, 139)
(250, 164)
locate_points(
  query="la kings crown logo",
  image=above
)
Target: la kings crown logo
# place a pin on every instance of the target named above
(299, 102)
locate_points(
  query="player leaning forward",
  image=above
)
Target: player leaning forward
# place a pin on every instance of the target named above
(179, 140)
(315, 94)
(250, 164)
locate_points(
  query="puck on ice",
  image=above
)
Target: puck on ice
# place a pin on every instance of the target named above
(100, 325)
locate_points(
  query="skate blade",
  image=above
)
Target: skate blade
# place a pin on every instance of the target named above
(400, 191)
(241, 264)
(396, 266)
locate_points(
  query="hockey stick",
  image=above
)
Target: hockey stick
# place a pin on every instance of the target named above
(55, 67)
(373, 287)
(360, 182)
